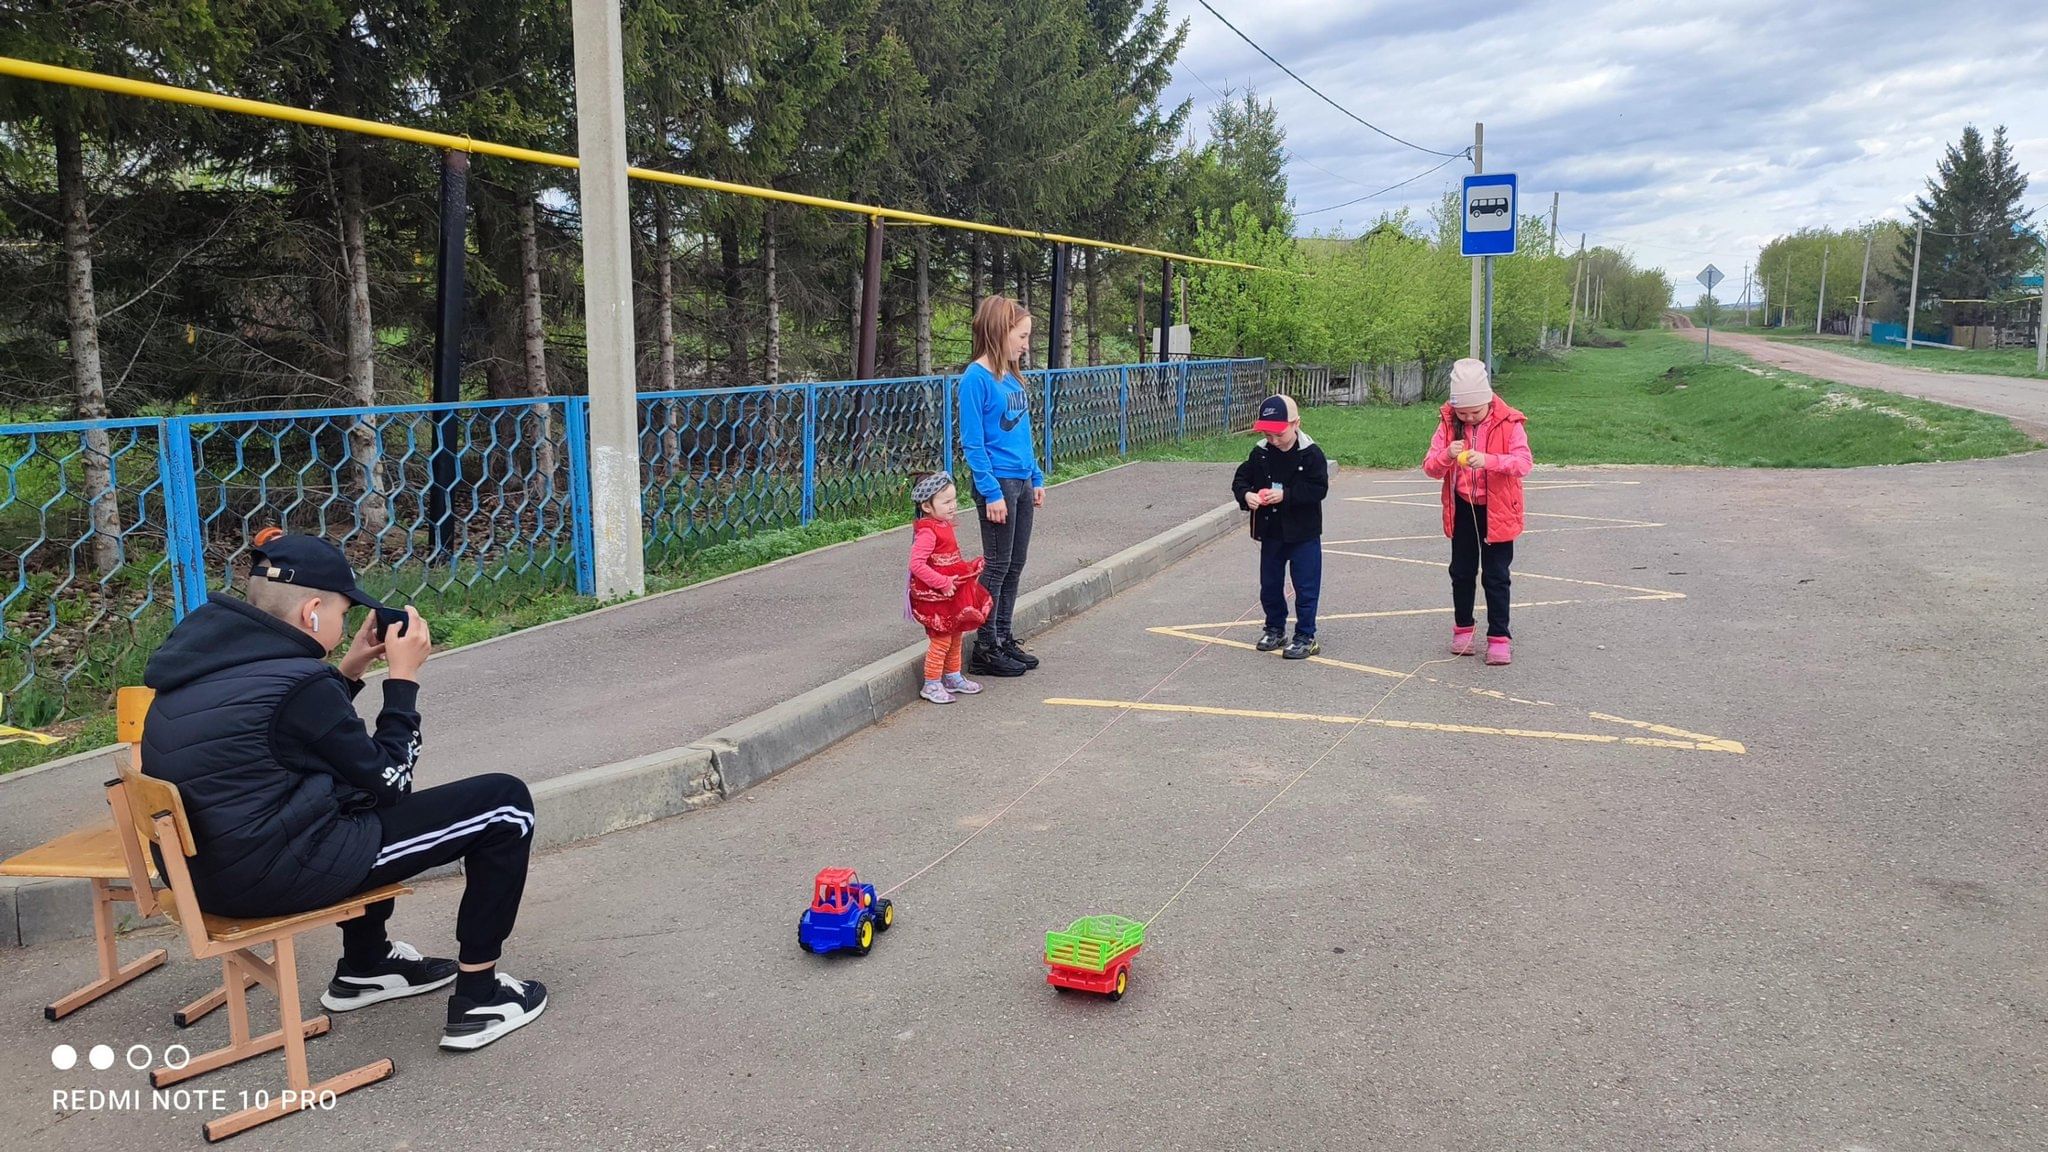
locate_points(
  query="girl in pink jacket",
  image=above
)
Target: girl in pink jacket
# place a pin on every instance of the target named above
(1480, 452)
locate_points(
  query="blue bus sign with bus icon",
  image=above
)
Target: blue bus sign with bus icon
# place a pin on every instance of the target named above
(1489, 218)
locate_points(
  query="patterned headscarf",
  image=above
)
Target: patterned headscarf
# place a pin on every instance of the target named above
(930, 486)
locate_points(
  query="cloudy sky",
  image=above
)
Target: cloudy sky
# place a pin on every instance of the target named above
(1686, 133)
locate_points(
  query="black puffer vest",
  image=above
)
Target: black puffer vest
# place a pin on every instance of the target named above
(272, 837)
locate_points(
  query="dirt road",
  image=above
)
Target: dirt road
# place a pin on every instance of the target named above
(2020, 400)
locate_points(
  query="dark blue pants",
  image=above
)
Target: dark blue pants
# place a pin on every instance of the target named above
(1304, 561)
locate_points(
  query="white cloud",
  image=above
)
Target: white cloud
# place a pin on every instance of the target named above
(1688, 135)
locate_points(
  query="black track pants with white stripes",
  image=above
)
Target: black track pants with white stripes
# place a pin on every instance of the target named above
(487, 823)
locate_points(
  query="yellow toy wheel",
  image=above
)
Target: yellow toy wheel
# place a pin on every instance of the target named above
(1123, 982)
(888, 916)
(865, 936)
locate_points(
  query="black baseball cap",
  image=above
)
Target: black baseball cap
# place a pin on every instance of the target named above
(310, 562)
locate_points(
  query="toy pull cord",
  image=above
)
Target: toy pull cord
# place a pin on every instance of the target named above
(1335, 744)
(1064, 761)
(1298, 777)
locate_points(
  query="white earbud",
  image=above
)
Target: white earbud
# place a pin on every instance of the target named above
(316, 622)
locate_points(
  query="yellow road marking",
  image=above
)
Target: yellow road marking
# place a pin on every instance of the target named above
(1667, 730)
(1546, 483)
(1651, 593)
(1708, 744)
(1616, 527)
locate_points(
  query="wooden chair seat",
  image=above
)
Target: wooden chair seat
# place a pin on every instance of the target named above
(92, 853)
(238, 929)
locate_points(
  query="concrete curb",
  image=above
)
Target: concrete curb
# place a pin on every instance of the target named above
(612, 797)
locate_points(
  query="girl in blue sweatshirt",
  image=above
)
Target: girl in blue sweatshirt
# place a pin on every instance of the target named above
(995, 435)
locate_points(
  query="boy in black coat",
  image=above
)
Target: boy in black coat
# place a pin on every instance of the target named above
(1282, 484)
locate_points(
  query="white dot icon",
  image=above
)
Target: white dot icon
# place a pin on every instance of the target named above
(64, 1057)
(102, 1057)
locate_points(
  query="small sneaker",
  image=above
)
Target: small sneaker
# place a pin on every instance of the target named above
(473, 1024)
(404, 972)
(1461, 641)
(992, 660)
(1498, 650)
(935, 692)
(1015, 651)
(1303, 647)
(960, 685)
(1272, 640)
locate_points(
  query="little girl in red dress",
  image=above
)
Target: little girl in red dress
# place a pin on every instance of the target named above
(945, 593)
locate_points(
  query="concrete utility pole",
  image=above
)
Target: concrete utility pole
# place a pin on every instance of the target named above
(1745, 295)
(1862, 285)
(1785, 305)
(1913, 297)
(1821, 305)
(1578, 275)
(2041, 317)
(619, 557)
(1544, 337)
(1478, 286)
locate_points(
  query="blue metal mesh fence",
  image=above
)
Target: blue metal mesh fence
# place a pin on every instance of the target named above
(111, 530)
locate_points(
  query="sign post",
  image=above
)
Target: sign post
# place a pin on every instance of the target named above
(1489, 230)
(1709, 276)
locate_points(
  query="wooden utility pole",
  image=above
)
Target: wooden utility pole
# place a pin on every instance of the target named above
(1478, 288)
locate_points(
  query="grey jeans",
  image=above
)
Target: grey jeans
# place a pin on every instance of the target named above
(1003, 548)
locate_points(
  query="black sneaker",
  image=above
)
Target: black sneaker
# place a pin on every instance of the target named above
(1271, 640)
(1303, 647)
(473, 1023)
(1015, 651)
(402, 973)
(990, 660)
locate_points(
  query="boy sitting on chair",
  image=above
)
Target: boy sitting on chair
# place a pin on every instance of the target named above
(294, 806)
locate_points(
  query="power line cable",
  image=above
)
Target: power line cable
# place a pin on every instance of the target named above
(1292, 158)
(1319, 93)
(1381, 192)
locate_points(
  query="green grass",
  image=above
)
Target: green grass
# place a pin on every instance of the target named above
(1653, 402)
(1983, 361)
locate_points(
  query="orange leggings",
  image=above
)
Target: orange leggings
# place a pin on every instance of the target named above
(943, 657)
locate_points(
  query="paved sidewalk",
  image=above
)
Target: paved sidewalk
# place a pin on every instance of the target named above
(658, 673)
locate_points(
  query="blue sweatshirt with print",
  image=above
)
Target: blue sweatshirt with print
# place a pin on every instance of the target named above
(995, 432)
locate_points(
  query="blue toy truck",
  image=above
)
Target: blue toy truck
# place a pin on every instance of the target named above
(844, 914)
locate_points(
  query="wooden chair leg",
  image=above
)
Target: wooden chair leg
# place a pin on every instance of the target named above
(112, 973)
(300, 1093)
(197, 1010)
(238, 973)
(289, 1102)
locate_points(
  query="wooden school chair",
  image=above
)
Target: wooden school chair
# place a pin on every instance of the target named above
(156, 811)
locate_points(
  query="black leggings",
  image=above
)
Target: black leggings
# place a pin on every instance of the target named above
(1003, 547)
(487, 823)
(1469, 555)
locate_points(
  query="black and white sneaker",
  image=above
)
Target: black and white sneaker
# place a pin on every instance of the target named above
(473, 1024)
(1272, 640)
(1303, 647)
(402, 973)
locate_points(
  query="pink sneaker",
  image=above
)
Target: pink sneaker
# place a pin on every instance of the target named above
(936, 692)
(1461, 641)
(960, 685)
(1497, 650)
